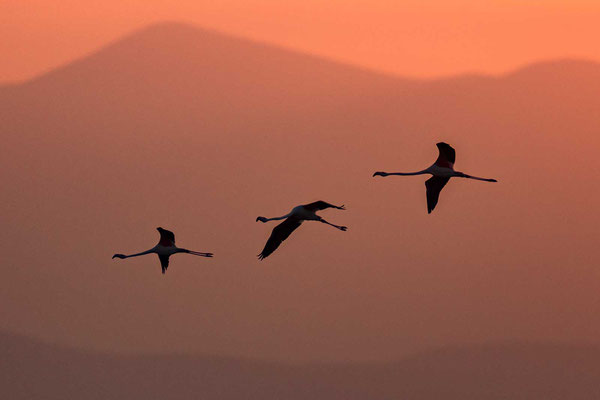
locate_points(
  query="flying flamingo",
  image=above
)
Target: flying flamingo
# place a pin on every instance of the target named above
(165, 248)
(442, 170)
(293, 220)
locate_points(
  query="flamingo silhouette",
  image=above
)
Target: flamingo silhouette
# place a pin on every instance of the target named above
(165, 248)
(293, 220)
(442, 170)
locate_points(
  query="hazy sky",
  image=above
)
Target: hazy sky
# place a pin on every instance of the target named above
(417, 38)
(200, 133)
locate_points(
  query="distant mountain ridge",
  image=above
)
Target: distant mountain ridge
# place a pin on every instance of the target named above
(173, 31)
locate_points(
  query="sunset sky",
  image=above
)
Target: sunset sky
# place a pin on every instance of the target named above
(421, 38)
(130, 124)
(120, 116)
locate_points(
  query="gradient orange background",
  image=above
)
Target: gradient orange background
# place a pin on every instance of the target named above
(200, 133)
(416, 38)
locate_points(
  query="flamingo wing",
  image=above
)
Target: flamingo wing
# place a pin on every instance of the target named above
(434, 186)
(167, 238)
(447, 156)
(318, 205)
(164, 262)
(279, 234)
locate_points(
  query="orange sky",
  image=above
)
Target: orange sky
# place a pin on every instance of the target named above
(417, 38)
(201, 133)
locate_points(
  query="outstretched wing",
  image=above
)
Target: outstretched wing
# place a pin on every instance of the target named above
(279, 234)
(434, 186)
(167, 238)
(447, 156)
(164, 262)
(318, 205)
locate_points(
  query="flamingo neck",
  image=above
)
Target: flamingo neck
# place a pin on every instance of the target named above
(425, 171)
(278, 218)
(142, 253)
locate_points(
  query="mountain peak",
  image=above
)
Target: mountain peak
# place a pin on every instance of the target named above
(173, 47)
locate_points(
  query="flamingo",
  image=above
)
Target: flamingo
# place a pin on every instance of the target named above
(293, 220)
(165, 248)
(442, 170)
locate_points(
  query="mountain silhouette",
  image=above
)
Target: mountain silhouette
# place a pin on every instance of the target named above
(34, 370)
(189, 129)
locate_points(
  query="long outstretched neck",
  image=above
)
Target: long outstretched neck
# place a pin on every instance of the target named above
(133, 255)
(407, 173)
(277, 218)
(425, 171)
(263, 219)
